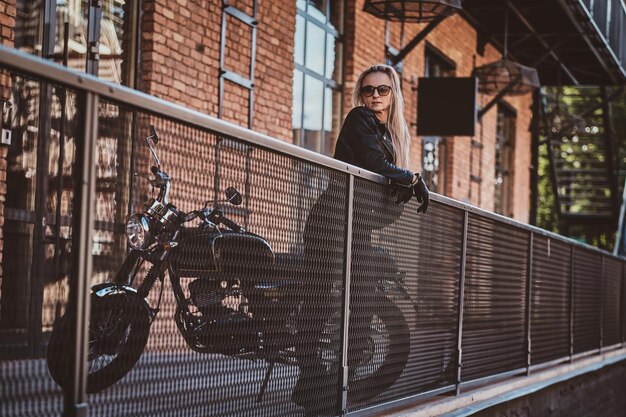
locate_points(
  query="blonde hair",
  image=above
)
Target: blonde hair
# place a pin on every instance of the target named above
(396, 124)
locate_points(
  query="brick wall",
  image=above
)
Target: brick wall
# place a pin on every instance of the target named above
(180, 60)
(274, 69)
(180, 52)
(7, 25)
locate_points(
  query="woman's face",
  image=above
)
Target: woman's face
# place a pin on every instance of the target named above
(377, 103)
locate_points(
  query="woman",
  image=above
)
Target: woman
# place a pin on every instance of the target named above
(374, 136)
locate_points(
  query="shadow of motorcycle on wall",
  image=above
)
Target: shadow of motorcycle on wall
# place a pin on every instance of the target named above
(243, 300)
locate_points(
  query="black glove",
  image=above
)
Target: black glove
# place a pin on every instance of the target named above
(422, 195)
(404, 194)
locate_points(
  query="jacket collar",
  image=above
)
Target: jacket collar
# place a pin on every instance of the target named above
(381, 127)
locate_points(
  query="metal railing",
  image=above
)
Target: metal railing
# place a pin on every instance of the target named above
(454, 297)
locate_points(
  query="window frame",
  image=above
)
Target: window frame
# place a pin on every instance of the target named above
(503, 193)
(328, 83)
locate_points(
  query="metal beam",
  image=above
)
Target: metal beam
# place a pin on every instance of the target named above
(530, 27)
(396, 59)
(497, 98)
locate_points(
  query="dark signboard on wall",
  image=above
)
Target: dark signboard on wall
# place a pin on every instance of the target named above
(446, 106)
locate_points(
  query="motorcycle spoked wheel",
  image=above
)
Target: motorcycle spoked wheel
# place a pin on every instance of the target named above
(385, 351)
(119, 326)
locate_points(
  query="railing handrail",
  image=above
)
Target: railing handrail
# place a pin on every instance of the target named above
(54, 73)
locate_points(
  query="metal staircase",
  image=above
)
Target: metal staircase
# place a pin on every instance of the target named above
(582, 151)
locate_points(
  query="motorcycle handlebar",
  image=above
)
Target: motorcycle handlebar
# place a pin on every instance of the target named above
(230, 224)
(190, 216)
(214, 217)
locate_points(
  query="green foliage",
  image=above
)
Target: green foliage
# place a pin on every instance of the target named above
(580, 151)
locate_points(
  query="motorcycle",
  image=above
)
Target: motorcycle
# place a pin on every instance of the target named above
(243, 301)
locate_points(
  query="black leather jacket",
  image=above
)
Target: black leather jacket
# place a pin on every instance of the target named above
(365, 142)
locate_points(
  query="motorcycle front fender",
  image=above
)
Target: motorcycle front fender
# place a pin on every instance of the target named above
(108, 289)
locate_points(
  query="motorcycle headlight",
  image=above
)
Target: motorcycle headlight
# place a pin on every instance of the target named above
(137, 231)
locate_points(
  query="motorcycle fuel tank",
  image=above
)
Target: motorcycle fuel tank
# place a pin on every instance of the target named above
(206, 250)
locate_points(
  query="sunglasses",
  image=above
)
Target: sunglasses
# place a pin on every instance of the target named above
(368, 90)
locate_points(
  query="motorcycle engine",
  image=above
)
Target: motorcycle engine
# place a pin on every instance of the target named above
(226, 325)
(219, 300)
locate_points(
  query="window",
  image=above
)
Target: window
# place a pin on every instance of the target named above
(434, 148)
(317, 76)
(505, 142)
(116, 45)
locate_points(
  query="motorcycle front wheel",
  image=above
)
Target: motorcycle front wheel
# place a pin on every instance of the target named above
(382, 354)
(119, 326)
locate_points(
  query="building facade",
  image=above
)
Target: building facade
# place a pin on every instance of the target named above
(286, 69)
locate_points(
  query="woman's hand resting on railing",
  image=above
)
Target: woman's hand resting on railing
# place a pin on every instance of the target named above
(418, 189)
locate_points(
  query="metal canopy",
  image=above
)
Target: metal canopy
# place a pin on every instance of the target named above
(417, 11)
(577, 51)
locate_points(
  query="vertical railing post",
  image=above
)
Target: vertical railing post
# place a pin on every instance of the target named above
(461, 304)
(347, 262)
(622, 310)
(571, 304)
(529, 286)
(622, 320)
(601, 303)
(75, 397)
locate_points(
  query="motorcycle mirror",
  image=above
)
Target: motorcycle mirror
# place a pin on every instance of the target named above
(154, 138)
(153, 134)
(233, 196)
